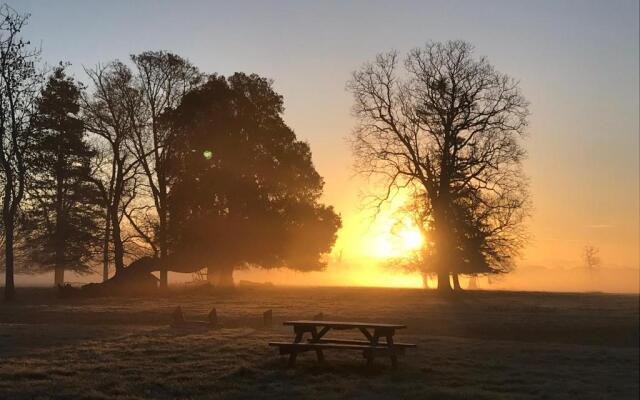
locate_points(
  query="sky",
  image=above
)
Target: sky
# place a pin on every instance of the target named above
(577, 63)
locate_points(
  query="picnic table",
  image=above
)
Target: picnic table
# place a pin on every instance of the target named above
(370, 346)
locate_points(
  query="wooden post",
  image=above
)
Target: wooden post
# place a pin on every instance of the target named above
(213, 317)
(267, 318)
(177, 317)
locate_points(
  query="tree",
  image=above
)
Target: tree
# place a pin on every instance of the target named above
(591, 257)
(61, 218)
(448, 130)
(112, 113)
(163, 78)
(19, 84)
(244, 190)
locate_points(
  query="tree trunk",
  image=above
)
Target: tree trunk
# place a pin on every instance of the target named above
(105, 250)
(443, 244)
(425, 280)
(164, 276)
(220, 276)
(473, 283)
(118, 247)
(456, 281)
(58, 274)
(444, 284)
(9, 286)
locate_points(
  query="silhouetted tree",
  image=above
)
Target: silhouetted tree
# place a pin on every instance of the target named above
(447, 129)
(244, 189)
(591, 257)
(61, 217)
(19, 84)
(112, 115)
(163, 78)
(99, 169)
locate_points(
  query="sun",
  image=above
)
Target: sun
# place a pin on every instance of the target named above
(411, 238)
(395, 238)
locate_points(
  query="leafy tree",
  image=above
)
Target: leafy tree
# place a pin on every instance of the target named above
(244, 191)
(447, 129)
(19, 84)
(61, 220)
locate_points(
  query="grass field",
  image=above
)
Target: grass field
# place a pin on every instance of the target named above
(482, 345)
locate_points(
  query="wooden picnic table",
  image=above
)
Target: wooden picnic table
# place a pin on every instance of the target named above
(317, 342)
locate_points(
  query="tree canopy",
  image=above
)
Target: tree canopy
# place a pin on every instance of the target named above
(62, 214)
(245, 191)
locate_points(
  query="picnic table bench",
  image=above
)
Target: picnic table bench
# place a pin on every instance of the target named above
(370, 347)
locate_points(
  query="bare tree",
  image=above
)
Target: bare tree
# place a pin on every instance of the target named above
(447, 128)
(107, 114)
(591, 257)
(19, 85)
(163, 80)
(99, 167)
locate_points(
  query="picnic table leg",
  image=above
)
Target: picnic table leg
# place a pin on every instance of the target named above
(294, 353)
(394, 357)
(367, 353)
(315, 338)
(366, 333)
(374, 341)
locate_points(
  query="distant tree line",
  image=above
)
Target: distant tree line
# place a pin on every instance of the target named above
(152, 159)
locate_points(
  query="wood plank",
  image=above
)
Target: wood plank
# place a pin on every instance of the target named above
(362, 342)
(314, 346)
(343, 324)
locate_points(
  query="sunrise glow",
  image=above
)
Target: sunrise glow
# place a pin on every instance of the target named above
(397, 239)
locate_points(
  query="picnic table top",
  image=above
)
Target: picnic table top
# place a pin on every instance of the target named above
(342, 324)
